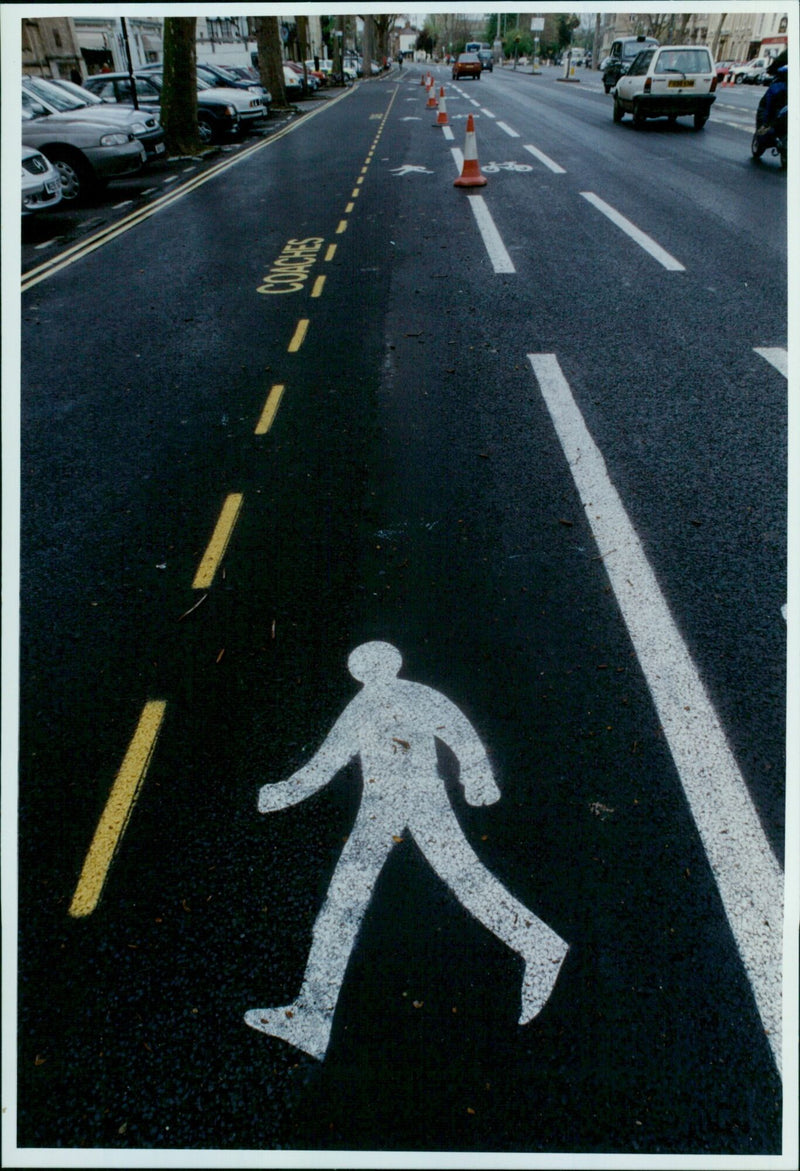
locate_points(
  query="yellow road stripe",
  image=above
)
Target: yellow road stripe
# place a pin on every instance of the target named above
(349, 208)
(342, 227)
(219, 542)
(116, 814)
(356, 193)
(270, 409)
(329, 255)
(299, 336)
(318, 284)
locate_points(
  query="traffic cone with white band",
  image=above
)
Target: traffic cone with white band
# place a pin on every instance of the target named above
(470, 172)
(441, 119)
(431, 97)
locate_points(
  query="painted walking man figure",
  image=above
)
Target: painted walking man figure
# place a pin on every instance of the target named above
(392, 725)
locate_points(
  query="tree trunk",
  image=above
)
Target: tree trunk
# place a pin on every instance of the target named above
(270, 61)
(179, 96)
(302, 44)
(368, 45)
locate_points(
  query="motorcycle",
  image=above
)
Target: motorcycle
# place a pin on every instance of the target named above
(770, 137)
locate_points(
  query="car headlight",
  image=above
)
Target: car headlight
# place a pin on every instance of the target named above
(139, 128)
(113, 140)
(230, 111)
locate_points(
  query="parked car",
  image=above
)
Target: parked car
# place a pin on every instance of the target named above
(308, 83)
(85, 147)
(292, 84)
(41, 182)
(672, 81)
(486, 59)
(620, 59)
(226, 78)
(749, 71)
(467, 65)
(722, 69)
(221, 113)
(146, 125)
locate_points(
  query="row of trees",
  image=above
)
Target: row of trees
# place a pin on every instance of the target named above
(448, 33)
(179, 98)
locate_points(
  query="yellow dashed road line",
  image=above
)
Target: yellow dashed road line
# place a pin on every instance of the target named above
(219, 542)
(116, 814)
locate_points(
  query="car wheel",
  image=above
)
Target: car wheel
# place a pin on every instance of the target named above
(738, 79)
(77, 177)
(205, 130)
(618, 111)
(757, 146)
(639, 116)
(700, 121)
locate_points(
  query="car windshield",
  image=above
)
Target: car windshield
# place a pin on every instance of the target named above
(53, 96)
(683, 61)
(468, 58)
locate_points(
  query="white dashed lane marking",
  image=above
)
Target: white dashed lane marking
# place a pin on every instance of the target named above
(543, 158)
(641, 238)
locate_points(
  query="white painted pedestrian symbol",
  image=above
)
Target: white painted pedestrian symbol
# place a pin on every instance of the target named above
(391, 726)
(410, 169)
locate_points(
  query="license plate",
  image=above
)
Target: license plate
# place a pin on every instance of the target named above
(160, 148)
(51, 186)
(684, 83)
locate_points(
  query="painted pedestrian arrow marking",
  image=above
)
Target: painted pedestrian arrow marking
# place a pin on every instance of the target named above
(392, 726)
(410, 169)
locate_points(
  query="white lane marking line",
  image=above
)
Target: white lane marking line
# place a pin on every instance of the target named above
(511, 133)
(488, 113)
(643, 240)
(458, 158)
(543, 158)
(47, 243)
(747, 873)
(125, 203)
(777, 357)
(448, 133)
(501, 261)
(392, 726)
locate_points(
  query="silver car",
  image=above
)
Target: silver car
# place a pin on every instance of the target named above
(86, 149)
(41, 182)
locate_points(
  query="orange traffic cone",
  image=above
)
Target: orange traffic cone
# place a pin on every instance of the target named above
(422, 80)
(431, 98)
(441, 119)
(470, 172)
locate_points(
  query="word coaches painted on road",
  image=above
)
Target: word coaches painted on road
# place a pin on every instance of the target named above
(290, 271)
(391, 727)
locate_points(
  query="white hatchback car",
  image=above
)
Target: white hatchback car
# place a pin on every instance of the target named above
(670, 81)
(41, 182)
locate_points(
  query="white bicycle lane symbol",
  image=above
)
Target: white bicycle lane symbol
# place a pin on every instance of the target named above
(391, 726)
(493, 168)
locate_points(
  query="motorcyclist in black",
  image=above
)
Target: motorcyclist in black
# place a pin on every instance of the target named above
(771, 116)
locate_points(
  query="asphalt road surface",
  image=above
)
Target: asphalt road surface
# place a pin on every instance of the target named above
(532, 436)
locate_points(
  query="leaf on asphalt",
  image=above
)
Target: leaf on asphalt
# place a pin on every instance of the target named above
(568, 523)
(191, 608)
(395, 838)
(418, 1003)
(470, 1110)
(404, 744)
(39, 1060)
